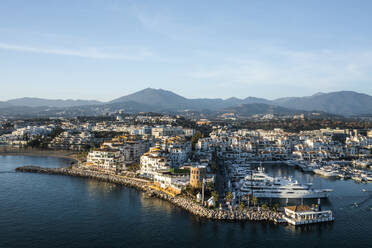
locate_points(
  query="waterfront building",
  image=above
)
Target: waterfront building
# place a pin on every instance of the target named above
(300, 215)
(176, 181)
(197, 174)
(104, 159)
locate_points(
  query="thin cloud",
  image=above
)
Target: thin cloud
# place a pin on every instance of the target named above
(167, 25)
(90, 52)
(317, 69)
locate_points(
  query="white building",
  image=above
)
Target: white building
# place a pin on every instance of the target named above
(104, 159)
(153, 161)
(167, 180)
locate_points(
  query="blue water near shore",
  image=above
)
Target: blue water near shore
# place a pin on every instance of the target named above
(39, 210)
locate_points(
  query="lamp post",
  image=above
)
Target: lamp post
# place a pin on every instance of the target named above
(203, 184)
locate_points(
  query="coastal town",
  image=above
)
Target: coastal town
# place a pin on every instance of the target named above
(185, 124)
(212, 169)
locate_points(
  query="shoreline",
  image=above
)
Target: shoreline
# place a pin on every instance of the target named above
(70, 155)
(186, 203)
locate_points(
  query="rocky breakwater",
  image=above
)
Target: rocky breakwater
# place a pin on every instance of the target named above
(247, 214)
(187, 203)
(126, 181)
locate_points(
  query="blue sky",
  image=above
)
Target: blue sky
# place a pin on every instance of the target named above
(103, 49)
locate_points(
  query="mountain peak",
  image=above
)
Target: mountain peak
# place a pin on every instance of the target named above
(339, 102)
(319, 94)
(233, 99)
(151, 89)
(153, 96)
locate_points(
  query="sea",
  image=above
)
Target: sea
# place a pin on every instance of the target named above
(38, 210)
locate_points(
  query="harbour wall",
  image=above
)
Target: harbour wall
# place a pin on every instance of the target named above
(187, 203)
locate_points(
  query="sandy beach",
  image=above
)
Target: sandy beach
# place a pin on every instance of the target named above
(7, 151)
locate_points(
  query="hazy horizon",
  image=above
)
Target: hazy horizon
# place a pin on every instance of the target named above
(102, 50)
(91, 99)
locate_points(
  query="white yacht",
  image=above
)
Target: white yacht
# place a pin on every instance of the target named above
(369, 177)
(265, 186)
(291, 162)
(327, 171)
(239, 171)
(308, 167)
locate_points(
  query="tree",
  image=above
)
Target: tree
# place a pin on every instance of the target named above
(215, 196)
(195, 139)
(229, 196)
(210, 186)
(241, 206)
(254, 200)
(214, 166)
(276, 207)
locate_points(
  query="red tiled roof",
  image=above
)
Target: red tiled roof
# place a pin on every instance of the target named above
(300, 208)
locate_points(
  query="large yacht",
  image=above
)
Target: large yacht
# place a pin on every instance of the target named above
(262, 185)
(308, 167)
(327, 171)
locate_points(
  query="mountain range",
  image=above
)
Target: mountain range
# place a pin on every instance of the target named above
(347, 103)
(58, 103)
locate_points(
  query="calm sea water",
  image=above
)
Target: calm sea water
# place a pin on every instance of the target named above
(57, 211)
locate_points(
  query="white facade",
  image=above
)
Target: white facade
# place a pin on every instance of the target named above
(105, 159)
(152, 162)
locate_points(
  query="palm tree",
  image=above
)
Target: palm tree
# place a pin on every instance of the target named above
(215, 196)
(229, 196)
(254, 200)
(242, 206)
(276, 207)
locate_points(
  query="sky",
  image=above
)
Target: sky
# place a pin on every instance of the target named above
(104, 49)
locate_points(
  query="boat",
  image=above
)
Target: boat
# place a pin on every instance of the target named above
(291, 163)
(308, 167)
(343, 176)
(357, 178)
(367, 177)
(239, 171)
(326, 171)
(311, 167)
(262, 185)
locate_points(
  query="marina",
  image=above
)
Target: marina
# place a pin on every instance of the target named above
(261, 185)
(357, 171)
